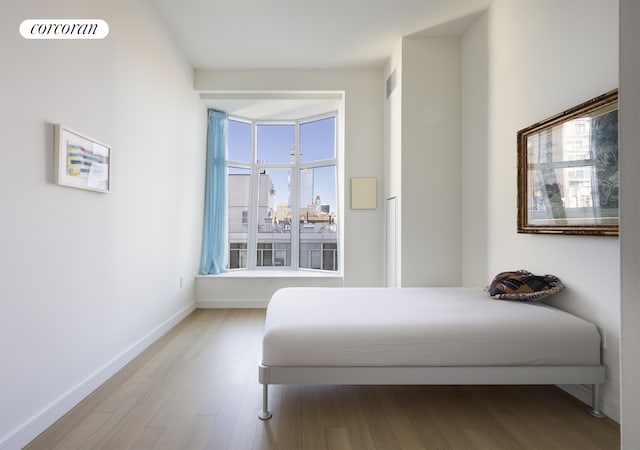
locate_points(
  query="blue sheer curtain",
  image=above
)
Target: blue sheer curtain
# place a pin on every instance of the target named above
(215, 233)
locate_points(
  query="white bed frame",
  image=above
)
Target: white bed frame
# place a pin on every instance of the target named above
(451, 375)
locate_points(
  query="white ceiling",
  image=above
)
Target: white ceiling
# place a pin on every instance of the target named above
(273, 106)
(288, 34)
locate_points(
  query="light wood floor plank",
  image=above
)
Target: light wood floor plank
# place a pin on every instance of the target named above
(197, 388)
(355, 419)
(338, 439)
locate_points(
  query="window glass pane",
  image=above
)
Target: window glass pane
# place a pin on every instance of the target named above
(238, 207)
(330, 256)
(310, 254)
(239, 141)
(265, 254)
(282, 254)
(237, 255)
(318, 193)
(275, 143)
(318, 224)
(274, 218)
(318, 140)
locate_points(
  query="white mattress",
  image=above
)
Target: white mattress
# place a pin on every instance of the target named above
(421, 327)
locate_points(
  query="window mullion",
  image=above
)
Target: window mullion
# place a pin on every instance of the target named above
(252, 238)
(295, 201)
(320, 163)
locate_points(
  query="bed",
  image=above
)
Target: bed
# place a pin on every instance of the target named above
(416, 336)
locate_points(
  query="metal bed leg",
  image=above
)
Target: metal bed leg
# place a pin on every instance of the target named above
(595, 408)
(265, 414)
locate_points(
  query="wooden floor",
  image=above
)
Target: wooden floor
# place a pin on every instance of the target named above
(197, 388)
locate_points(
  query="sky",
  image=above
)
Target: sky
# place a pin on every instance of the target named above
(275, 143)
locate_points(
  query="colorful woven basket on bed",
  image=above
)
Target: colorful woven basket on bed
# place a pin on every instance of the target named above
(523, 285)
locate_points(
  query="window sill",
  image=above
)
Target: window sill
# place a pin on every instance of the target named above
(274, 274)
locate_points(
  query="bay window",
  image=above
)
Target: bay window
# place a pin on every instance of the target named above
(282, 194)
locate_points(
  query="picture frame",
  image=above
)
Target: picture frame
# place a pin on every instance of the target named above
(568, 171)
(80, 161)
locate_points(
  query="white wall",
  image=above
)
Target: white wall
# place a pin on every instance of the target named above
(430, 178)
(363, 157)
(630, 220)
(89, 279)
(531, 75)
(474, 51)
(393, 163)
(422, 153)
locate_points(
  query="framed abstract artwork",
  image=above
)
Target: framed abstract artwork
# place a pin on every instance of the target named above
(568, 171)
(80, 161)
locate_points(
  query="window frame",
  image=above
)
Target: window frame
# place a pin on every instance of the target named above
(255, 167)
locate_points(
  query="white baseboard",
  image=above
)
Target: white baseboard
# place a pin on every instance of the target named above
(231, 304)
(584, 393)
(44, 419)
